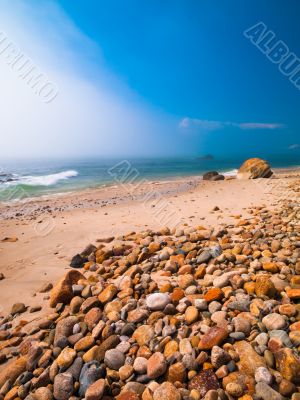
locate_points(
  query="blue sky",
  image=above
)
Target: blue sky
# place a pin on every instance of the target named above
(183, 70)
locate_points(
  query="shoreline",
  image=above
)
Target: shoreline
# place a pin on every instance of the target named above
(223, 281)
(46, 234)
(182, 182)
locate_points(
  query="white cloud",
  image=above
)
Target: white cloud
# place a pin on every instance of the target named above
(201, 124)
(258, 125)
(207, 125)
(94, 112)
(294, 146)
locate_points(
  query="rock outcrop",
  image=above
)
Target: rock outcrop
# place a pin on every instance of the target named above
(254, 168)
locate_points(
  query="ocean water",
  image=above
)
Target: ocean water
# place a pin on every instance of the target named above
(23, 180)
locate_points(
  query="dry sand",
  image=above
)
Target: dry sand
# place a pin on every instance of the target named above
(51, 231)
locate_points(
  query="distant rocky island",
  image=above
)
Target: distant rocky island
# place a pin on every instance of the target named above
(206, 157)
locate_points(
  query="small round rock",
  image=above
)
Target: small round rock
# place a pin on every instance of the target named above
(114, 359)
(157, 301)
(262, 374)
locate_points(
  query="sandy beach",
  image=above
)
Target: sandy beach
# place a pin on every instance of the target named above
(168, 298)
(51, 231)
(149, 200)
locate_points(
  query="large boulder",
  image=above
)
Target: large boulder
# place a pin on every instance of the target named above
(254, 168)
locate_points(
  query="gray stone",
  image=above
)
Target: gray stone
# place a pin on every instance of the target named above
(63, 386)
(262, 374)
(90, 373)
(221, 281)
(157, 301)
(114, 359)
(282, 335)
(204, 257)
(219, 357)
(265, 392)
(262, 339)
(75, 368)
(140, 365)
(274, 321)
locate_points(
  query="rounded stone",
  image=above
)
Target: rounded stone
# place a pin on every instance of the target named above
(191, 315)
(262, 374)
(166, 391)
(234, 389)
(63, 386)
(274, 321)
(140, 365)
(156, 365)
(157, 301)
(114, 359)
(66, 357)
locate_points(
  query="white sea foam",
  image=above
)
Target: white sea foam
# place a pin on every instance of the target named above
(232, 172)
(42, 180)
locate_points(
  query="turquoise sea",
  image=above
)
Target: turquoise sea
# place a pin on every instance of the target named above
(25, 179)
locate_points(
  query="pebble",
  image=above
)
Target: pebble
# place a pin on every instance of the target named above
(63, 386)
(156, 365)
(274, 321)
(96, 390)
(114, 359)
(191, 315)
(155, 315)
(18, 308)
(157, 301)
(265, 392)
(234, 389)
(262, 374)
(140, 365)
(166, 391)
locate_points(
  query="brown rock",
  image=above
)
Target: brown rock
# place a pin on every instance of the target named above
(107, 294)
(127, 395)
(125, 372)
(176, 373)
(171, 348)
(177, 295)
(264, 286)
(184, 281)
(254, 168)
(287, 309)
(247, 382)
(62, 291)
(166, 391)
(64, 328)
(12, 394)
(96, 390)
(143, 334)
(213, 337)
(156, 365)
(93, 317)
(66, 358)
(84, 344)
(43, 393)
(288, 364)
(12, 370)
(18, 308)
(293, 293)
(203, 382)
(249, 359)
(213, 294)
(63, 386)
(191, 315)
(98, 352)
(270, 267)
(137, 315)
